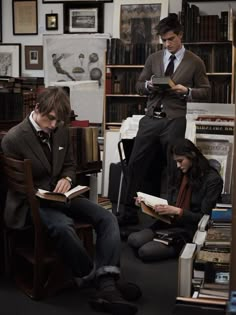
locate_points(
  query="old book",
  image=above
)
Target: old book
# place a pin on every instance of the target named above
(218, 237)
(213, 256)
(185, 270)
(147, 205)
(54, 196)
(162, 82)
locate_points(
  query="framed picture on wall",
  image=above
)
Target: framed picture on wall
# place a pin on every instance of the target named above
(135, 21)
(83, 18)
(25, 17)
(34, 57)
(51, 21)
(10, 60)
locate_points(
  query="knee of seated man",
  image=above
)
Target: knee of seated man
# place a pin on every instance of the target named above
(58, 229)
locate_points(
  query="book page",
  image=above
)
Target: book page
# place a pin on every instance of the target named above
(151, 201)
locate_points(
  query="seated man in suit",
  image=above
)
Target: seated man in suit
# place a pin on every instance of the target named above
(43, 137)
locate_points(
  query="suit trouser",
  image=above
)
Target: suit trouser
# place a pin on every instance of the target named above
(59, 219)
(149, 156)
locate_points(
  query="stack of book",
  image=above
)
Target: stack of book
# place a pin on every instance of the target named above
(212, 263)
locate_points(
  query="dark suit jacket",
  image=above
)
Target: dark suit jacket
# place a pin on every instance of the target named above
(21, 142)
(190, 73)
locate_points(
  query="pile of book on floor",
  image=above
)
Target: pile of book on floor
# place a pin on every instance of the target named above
(211, 266)
(204, 271)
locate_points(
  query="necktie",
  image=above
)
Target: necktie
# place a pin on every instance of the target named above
(43, 136)
(170, 67)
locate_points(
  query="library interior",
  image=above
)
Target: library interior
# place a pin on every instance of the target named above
(98, 52)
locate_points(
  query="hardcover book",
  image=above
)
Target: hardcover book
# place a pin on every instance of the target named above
(162, 82)
(54, 196)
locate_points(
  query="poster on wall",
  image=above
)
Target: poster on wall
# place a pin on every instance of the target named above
(73, 59)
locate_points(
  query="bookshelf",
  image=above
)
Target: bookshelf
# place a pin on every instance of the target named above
(211, 37)
(124, 63)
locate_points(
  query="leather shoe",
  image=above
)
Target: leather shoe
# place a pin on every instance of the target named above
(112, 302)
(129, 291)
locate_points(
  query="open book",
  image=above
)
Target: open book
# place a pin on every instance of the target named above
(147, 204)
(54, 196)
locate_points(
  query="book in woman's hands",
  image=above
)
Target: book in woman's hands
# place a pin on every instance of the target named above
(55, 196)
(147, 205)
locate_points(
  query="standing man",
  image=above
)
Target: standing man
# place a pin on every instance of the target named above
(165, 118)
(44, 139)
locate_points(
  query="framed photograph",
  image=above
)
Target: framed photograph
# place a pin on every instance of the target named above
(10, 60)
(34, 57)
(63, 1)
(83, 18)
(25, 17)
(135, 21)
(51, 21)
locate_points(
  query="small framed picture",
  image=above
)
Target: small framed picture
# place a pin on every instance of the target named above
(83, 17)
(51, 21)
(34, 57)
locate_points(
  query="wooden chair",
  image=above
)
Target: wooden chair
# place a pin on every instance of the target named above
(37, 269)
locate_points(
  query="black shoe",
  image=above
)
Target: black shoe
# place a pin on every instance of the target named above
(112, 302)
(124, 220)
(129, 291)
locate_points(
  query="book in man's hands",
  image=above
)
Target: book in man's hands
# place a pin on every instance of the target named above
(147, 205)
(162, 82)
(55, 196)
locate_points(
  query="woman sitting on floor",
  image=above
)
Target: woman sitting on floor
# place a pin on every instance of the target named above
(194, 188)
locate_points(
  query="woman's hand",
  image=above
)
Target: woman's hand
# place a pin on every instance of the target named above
(167, 209)
(138, 201)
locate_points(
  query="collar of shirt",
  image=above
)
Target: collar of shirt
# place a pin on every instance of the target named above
(178, 55)
(33, 122)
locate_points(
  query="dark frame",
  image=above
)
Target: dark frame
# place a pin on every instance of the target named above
(64, 1)
(35, 63)
(67, 7)
(51, 21)
(19, 7)
(16, 54)
(0, 20)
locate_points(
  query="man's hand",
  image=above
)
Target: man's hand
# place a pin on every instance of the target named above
(180, 89)
(63, 185)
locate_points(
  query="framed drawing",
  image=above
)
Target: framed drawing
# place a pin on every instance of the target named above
(25, 17)
(34, 57)
(135, 21)
(63, 1)
(10, 60)
(51, 21)
(83, 18)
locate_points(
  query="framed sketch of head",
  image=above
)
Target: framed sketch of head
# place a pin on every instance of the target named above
(10, 60)
(51, 22)
(83, 17)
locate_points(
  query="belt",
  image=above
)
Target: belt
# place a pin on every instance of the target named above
(159, 114)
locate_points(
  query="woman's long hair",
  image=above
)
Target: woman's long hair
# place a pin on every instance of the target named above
(200, 164)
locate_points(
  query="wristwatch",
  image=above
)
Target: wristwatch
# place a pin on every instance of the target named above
(69, 179)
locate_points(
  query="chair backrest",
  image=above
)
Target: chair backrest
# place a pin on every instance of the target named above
(18, 177)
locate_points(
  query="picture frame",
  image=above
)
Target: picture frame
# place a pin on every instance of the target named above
(83, 17)
(10, 60)
(51, 21)
(138, 16)
(64, 1)
(34, 57)
(25, 17)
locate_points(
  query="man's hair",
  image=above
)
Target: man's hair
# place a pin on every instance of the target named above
(168, 24)
(55, 99)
